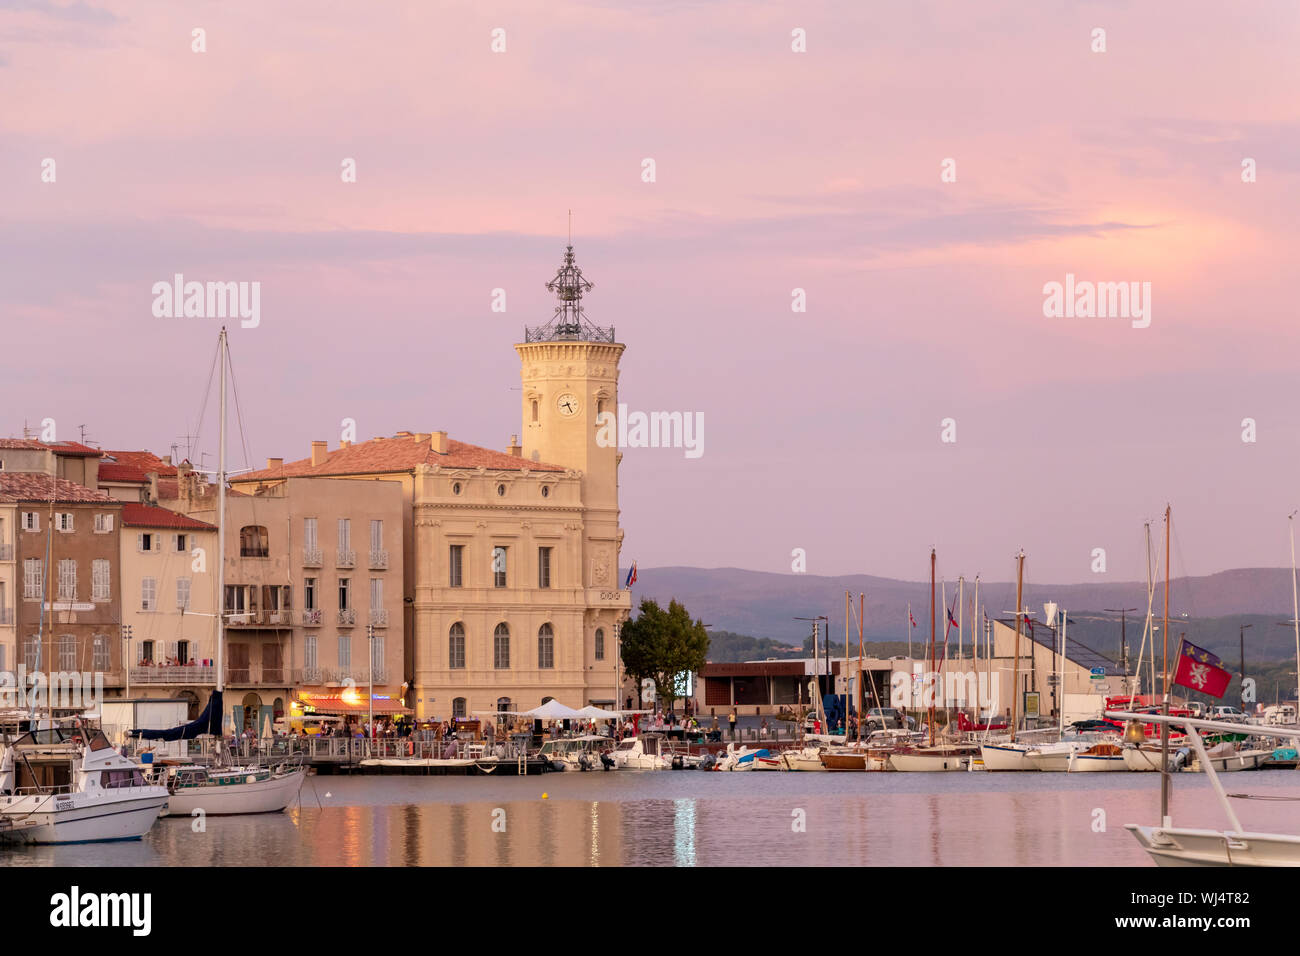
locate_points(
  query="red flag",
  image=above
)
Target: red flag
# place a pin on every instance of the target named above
(910, 618)
(1198, 669)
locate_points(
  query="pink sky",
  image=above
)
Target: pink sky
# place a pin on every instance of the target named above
(775, 170)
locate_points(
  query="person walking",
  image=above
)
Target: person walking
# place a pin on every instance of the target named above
(731, 719)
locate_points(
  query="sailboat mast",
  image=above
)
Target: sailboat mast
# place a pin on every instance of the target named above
(862, 699)
(1295, 610)
(1015, 666)
(1164, 683)
(221, 528)
(975, 641)
(848, 598)
(933, 688)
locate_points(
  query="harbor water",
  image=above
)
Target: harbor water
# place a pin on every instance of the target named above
(693, 818)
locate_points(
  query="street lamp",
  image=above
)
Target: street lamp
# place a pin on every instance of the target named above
(126, 636)
(370, 635)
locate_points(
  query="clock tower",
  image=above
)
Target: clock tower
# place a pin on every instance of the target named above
(570, 376)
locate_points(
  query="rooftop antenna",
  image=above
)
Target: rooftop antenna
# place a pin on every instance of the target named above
(82, 429)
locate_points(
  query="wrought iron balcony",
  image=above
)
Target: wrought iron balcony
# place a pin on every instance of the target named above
(312, 557)
(378, 616)
(379, 560)
(312, 618)
(174, 674)
(347, 617)
(345, 559)
(6, 552)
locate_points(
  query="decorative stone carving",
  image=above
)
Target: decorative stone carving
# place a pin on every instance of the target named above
(600, 567)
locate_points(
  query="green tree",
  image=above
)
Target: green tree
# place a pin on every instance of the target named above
(663, 645)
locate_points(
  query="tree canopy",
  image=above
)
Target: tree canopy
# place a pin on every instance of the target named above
(663, 645)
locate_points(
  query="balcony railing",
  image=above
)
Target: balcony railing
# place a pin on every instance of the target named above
(312, 618)
(378, 560)
(378, 616)
(312, 557)
(282, 617)
(347, 617)
(345, 559)
(309, 676)
(256, 675)
(6, 616)
(174, 674)
(6, 552)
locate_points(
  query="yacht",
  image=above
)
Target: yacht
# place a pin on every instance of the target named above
(224, 791)
(576, 753)
(643, 752)
(67, 784)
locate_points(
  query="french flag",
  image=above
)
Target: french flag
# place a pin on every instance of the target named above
(631, 576)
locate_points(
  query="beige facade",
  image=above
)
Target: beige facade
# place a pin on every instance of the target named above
(511, 559)
(168, 571)
(311, 567)
(10, 581)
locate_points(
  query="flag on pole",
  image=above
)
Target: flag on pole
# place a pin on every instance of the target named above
(911, 619)
(631, 575)
(1198, 669)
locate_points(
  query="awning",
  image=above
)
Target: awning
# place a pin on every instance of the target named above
(358, 705)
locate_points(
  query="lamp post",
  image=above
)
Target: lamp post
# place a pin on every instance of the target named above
(1242, 637)
(126, 636)
(370, 637)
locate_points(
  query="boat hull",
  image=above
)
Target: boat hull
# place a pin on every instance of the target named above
(1175, 846)
(928, 763)
(218, 800)
(1096, 763)
(82, 818)
(1004, 757)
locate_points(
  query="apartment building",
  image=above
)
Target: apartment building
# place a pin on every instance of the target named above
(169, 624)
(62, 584)
(313, 588)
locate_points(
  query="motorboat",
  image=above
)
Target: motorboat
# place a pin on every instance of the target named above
(1055, 757)
(1227, 758)
(576, 753)
(802, 759)
(67, 784)
(1008, 755)
(742, 758)
(642, 752)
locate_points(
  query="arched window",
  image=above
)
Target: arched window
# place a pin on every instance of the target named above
(253, 542)
(600, 643)
(458, 707)
(545, 647)
(501, 647)
(504, 706)
(534, 409)
(456, 646)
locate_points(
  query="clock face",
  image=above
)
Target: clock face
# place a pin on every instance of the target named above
(568, 404)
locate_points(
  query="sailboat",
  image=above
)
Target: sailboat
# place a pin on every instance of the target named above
(1011, 754)
(229, 790)
(63, 782)
(934, 757)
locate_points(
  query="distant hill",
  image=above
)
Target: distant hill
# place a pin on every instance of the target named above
(758, 604)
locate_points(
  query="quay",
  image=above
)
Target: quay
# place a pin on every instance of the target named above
(408, 755)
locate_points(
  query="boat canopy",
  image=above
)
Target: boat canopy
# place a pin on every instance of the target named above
(209, 722)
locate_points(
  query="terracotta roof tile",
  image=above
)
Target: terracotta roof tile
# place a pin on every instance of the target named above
(149, 516)
(133, 466)
(34, 486)
(21, 444)
(401, 453)
(74, 449)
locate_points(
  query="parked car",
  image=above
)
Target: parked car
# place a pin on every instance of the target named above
(885, 718)
(1226, 713)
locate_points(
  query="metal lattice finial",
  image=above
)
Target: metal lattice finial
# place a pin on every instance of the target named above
(569, 322)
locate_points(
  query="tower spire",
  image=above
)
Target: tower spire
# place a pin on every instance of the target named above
(569, 323)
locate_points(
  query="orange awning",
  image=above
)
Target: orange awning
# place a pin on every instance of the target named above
(351, 705)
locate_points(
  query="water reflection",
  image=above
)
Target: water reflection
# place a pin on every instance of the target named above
(693, 819)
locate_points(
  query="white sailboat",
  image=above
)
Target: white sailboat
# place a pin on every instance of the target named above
(229, 790)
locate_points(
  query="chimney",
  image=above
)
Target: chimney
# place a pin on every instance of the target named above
(167, 458)
(274, 463)
(318, 452)
(438, 442)
(515, 448)
(152, 493)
